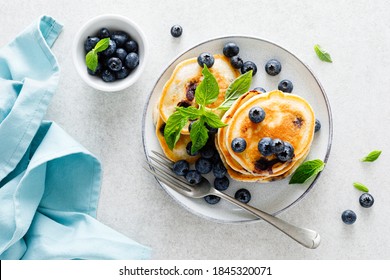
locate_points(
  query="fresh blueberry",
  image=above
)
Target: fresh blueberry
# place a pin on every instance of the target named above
(203, 165)
(243, 195)
(121, 54)
(207, 151)
(188, 149)
(219, 170)
(238, 145)
(108, 76)
(348, 217)
(131, 46)
(265, 146)
(206, 58)
(256, 114)
(193, 177)
(90, 43)
(122, 73)
(114, 64)
(247, 66)
(231, 49)
(181, 167)
(104, 33)
(273, 67)
(236, 61)
(277, 146)
(260, 89)
(212, 199)
(120, 38)
(287, 153)
(111, 49)
(176, 30)
(221, 184)
(366, 200)
(286, 86)
(131, 60)
(97, 71)
(318, 126)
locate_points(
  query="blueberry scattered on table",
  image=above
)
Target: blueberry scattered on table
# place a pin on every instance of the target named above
(287, 153)
(348, 217)
(203, 165)
(207, 59)
(221, 184)
(243, 195)
(230, 49)
(176, 31)
(212, 199)
(256, 114)
(238, 145)
(181, 167)
(265, 146)
(193, 177)
(286, 86)
(273, 67)
(366, 200)
(317, 126)
(236, 61)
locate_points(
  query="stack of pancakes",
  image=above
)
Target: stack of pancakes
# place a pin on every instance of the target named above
(179, 90)
(287, 117)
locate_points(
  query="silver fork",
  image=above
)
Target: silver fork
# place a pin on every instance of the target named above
(162, 169)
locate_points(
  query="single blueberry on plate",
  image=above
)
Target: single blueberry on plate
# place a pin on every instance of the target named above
(206, 58)
(207, 151)
(193, 177)
(366, 200)
(236, 61)
(265, 146)
(108, 76)
(104, 33)
(111, 49)
(238, 145)
(120, 38)
(348, 217)
(230, 49)
(121, 54)
(114, 64)
(219, 170)
(247, 66)
(181, 167)
(122, 73)
(318, 126)
(221, 184)
(287, 153)
(212, 199)
(243, 195)
(203, 165)
(256, 114)
(260, 89)
(131, 46)
(277, 146)
(132, 60)
(176, 31)
(273, 67)
(286, 86)
(90, 43)
(188, 149)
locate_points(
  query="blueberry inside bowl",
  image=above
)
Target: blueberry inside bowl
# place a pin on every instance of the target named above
(121, 63)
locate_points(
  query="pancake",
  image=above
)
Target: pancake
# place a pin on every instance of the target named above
(179, 152)
(288, 117)
(183, 81)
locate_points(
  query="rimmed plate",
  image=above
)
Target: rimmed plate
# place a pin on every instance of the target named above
(273, 197)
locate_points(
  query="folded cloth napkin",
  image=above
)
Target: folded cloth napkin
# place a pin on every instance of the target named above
(49, 184)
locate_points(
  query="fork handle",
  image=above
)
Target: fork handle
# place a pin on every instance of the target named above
(306, 237)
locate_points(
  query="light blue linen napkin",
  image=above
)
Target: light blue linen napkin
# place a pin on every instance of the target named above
(49, 184)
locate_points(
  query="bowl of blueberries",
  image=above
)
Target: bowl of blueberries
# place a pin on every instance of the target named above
(109, 52)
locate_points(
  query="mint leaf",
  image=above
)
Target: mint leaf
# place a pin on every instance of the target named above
(208, 90)
(191, 113)
(91, 59)
(199, 135)
(373, 156)
(307, 170)
(360, 187)
(174, 125)
(213, 120)
(237, 88)
(102, 45)
(322, 54)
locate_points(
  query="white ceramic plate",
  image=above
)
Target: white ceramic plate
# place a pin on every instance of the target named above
(273, 197)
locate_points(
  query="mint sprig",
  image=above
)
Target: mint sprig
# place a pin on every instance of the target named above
(237, 88)
(307, 170)
(373, 156)
(208, 90)
(322, 54)
(91, 59)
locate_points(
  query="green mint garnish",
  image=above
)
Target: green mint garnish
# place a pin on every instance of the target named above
(198, 134)
(91, 59)
(237, 88)
(208, 90)
(373, 156)
(322, 54)
(360, 187)
(307, 170)
(174, 125)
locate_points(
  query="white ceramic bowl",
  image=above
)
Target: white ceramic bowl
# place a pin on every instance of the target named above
(113, 23)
